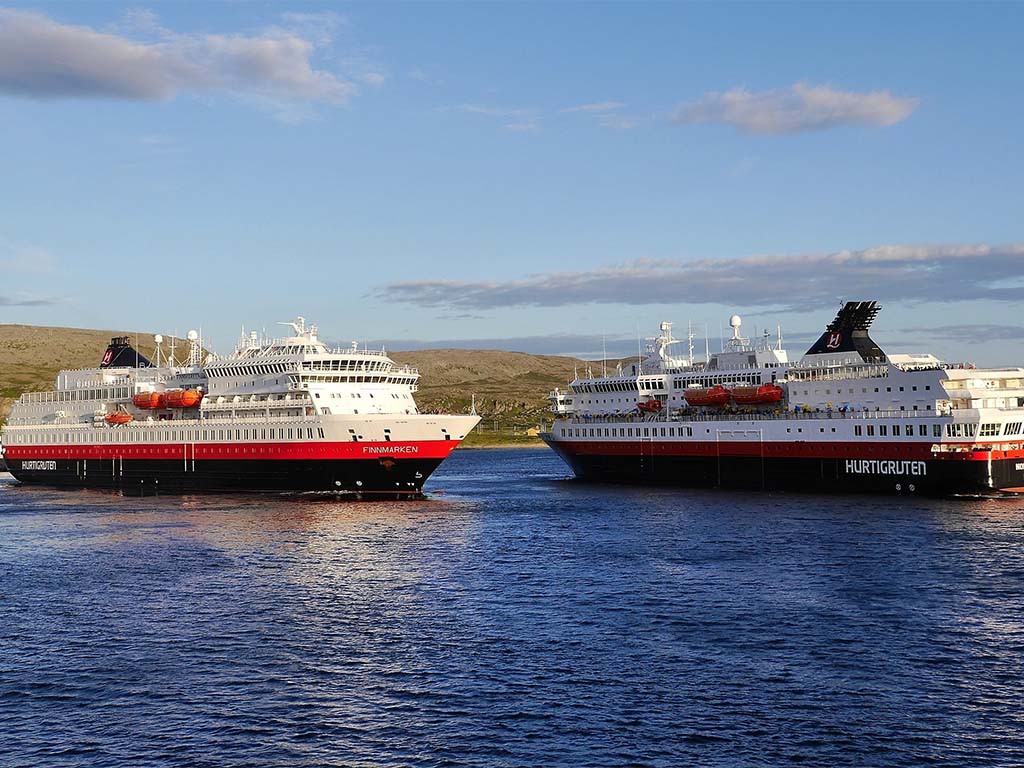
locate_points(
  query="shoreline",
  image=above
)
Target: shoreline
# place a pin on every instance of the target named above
(494, 446)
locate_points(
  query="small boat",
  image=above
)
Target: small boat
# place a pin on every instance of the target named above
(649, 406)
(150, 400)
(118, 417)
(714, 396)
(760, 395)
(184, 398)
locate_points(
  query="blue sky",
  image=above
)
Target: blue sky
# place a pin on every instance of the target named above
(525, 176)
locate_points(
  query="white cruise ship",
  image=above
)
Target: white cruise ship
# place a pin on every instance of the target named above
(845, 417)
(280, 415)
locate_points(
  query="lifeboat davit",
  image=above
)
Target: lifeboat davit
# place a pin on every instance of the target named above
(713, 396)
(649, 406)
(118, 417)
(761, 395)
(150, 400)
(184, 398)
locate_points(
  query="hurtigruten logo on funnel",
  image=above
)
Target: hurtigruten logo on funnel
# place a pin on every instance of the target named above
(884, 467)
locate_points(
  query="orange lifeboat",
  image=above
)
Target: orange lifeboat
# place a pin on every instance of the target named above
(649, 406)
(150, 400)
(184, 398)
(714, 396)
(761, 395)
(118, 417)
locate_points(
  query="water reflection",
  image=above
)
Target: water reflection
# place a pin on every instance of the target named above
(517, 618)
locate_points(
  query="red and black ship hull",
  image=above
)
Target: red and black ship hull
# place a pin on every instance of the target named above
(796, 467)
(341, 469)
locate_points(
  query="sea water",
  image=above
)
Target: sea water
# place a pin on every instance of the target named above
(515, 618)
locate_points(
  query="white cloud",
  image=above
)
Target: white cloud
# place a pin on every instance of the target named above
(478, 109)
(796, 109)
(376, 79)
(43, 59)
(600, 106)
(617, 122)
(524, 126)
(907, 273)
(516, 120)
(28, 301)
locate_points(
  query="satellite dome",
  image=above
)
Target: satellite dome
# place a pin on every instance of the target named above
(193, 336)
(734, 321)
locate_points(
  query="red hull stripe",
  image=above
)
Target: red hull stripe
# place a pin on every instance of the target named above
(425, 449)
(823, 450)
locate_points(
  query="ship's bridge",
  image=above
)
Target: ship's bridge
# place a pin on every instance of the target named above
(337, 380)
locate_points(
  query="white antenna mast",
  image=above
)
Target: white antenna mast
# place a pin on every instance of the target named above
(689, 336)
(194, 346)
(707, 346)
(639, 351)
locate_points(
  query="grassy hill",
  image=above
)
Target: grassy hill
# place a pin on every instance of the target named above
(31, 356)
(511, 387)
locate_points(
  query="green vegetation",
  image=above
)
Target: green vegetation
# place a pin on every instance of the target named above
(485, 439)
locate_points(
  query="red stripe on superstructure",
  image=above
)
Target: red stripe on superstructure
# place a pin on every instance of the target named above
(424, 449)
(805, 450)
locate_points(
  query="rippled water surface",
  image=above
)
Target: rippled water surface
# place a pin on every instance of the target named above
(516, 618)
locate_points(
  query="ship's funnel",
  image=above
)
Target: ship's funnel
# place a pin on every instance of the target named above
(849, 333)
(121, 354)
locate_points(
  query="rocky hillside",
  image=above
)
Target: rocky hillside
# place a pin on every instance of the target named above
(511, 387)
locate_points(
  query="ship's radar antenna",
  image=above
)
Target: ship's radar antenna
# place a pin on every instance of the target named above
(735, 322)
(195, 350)
(299, 326)
(159, 340)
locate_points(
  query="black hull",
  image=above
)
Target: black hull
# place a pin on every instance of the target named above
(360, 478)
(932, 477)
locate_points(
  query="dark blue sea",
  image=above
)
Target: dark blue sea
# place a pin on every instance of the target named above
(516, 618)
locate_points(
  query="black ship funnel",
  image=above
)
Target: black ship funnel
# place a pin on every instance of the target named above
(121, 354)
(849, 333)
